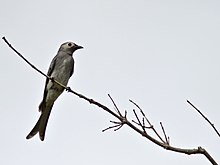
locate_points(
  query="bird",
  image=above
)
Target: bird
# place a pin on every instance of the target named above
(61, 69)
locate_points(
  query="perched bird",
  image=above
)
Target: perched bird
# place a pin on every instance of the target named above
(61, 69)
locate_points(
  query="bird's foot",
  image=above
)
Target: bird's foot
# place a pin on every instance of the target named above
(68, 89)
(52, 79)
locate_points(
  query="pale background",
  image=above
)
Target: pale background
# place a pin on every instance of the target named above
(157, 53)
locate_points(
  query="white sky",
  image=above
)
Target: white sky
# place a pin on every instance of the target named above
(157, 53)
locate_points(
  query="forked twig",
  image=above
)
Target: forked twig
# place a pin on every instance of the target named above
(139, 122)
(117, 124)
(150, 127)
(114, 126)
(148, 121)
(123, 119)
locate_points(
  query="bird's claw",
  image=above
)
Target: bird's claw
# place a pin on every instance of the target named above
(52, 79)
(68, 89)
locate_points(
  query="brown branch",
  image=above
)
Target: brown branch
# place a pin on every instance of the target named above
(151, 126)
(142, 125)
(166, 138)
(117, 126)
(139, 122)
(39, 71)
(114, 126)
(20, 55)
(123, 120)
(204, 117)
(117, 110)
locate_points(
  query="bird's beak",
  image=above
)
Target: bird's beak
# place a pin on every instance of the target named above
(78, 47)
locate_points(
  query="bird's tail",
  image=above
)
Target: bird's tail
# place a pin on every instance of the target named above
(41, 124)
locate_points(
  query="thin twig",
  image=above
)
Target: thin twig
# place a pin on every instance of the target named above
(118, 127)
(142, 112)
(118, 124)
(150, 127)
(204, 117)
(139, 122)
(39, 71)
(115, 122)
(23, 57)
(125, 116)
(136, 122)
(167, 141)
(143, 123)
(114, 104)
(111, 127)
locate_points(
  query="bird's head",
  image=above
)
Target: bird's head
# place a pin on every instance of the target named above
(69, 47)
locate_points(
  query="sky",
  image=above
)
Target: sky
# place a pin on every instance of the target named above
(156, 53)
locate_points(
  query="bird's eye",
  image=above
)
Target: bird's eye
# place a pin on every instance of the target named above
(69, 44)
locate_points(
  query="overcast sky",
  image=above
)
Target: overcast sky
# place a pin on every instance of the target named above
(157, 53)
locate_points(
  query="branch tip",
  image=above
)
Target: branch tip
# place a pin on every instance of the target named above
(215, 129)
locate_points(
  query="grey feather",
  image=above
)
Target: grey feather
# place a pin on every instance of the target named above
(61, 69)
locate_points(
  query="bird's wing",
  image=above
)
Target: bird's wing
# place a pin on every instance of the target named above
(72, 69)
(50, 70)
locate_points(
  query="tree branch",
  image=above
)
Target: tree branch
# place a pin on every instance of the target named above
(204, 117)
(123, 119)
(166, 138)
(151, 126)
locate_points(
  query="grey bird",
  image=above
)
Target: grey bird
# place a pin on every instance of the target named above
(61, 69)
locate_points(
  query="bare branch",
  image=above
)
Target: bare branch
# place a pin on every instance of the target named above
(142, 112)
(143, 122)
(114, 105)
(139, 122)
(39, 71)
(167, 141)
(115, 122)
(23, 57)
(118, 125)
(151, 126)
(204, 117)
(123, 119)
